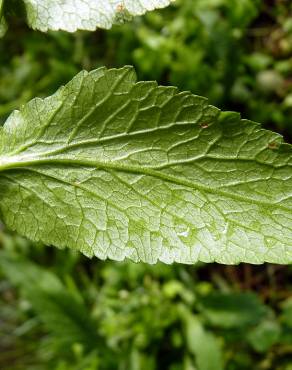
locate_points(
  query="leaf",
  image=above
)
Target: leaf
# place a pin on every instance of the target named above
(71, 15)
(119, 169)
(65, 317)
(203, 345)
(232, 310)
(265, 335)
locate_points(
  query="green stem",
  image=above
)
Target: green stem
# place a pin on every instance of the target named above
(1, 8)
(3, 25)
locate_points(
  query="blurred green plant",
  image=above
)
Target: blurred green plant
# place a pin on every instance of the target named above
(61, 312)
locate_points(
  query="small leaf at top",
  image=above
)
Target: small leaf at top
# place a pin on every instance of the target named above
(71, 15)
(120, 169)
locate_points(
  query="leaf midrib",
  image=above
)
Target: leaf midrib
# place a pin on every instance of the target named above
(139, 170)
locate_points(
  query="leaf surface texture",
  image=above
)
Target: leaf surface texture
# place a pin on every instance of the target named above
(120, 169)
(71, 15)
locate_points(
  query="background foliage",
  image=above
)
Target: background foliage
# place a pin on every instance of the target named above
(61, 311)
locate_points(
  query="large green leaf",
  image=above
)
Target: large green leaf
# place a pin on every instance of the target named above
(70, 15)
(120, 169)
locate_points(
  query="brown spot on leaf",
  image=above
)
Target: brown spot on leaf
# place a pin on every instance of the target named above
(120, 8)
(273, 145)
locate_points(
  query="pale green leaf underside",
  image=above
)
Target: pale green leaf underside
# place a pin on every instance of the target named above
(119, 169)
(71, 15)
